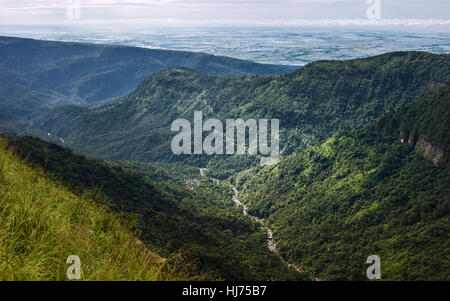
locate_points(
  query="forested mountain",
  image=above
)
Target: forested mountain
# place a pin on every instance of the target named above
(380, 190)
(195, 226)
(18, 101)
(365, 162)
(90, 73)
(312, 103)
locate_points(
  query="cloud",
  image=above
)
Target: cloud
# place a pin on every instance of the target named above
(359, 22)
(217, 12)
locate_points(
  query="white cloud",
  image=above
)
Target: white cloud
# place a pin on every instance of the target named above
(204, 12)
(360, 22)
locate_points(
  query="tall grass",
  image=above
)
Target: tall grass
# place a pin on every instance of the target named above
(41, 224)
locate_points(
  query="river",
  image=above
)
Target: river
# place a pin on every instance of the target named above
(271, 244)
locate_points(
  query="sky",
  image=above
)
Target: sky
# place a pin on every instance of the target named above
(139, 13)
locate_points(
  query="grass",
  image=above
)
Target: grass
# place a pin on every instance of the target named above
(41, 224)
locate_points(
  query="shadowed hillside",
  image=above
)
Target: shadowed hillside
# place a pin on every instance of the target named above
(90, 73)
(42, 223)
(197, 228)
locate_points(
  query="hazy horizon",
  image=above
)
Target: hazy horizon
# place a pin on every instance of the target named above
(272, 45)
(293, 32)
(114, 14)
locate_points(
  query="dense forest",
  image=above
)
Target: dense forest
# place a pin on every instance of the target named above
(365, 166)
(312, 103)
(196, 227)
(361, 193)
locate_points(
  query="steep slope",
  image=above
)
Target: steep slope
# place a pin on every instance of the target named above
(42, 223)
(312, 103)
(18, 100)
(198, 229)
(425, 125)
(92, 73)
(363, 193)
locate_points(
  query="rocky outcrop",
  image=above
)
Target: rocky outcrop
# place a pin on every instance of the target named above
(428, 150)
(423, 147)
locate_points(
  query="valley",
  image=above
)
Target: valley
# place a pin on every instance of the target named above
(271, 244)
(40, 75)
(362, 192)
(310, 104)
(364, 166)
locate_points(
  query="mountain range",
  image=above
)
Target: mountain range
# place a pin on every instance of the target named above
(365, 166)
(51, 74)
(312, 103)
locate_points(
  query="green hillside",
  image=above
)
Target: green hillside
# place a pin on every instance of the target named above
(428, 118)
(92, 73)
(362, 193)
(42, 223)
(194, 225)
(365, 167)
(18, 101)
(312, 103)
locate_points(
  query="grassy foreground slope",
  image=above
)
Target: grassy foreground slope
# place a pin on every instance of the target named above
(42, 223)
(312, 104)
(197, 228)
(362, 193)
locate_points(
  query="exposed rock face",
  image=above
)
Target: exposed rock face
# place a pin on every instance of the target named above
(428, 150)
(423, 147)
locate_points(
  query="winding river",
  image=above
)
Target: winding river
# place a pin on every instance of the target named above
(271, 244)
